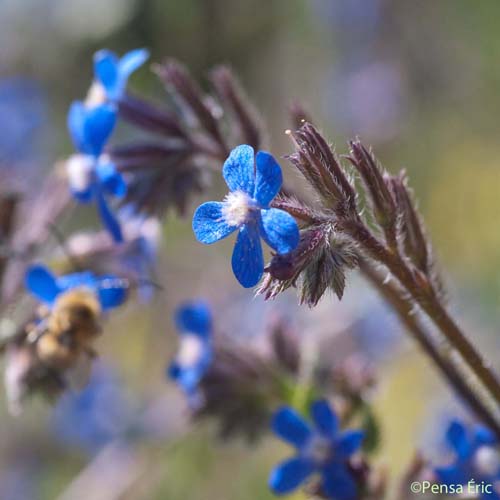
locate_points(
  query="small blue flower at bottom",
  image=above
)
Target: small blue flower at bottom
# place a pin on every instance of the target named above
(477, 457)
(193, 321)
(110, 290)
(91, 174)
(323, 450)
(254, 181)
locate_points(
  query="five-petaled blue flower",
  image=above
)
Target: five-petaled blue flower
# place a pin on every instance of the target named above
(112, 73)
(253, 182)
(477, 457)
(193, 321)
(110, 290)
(91, 174)
(322, 450)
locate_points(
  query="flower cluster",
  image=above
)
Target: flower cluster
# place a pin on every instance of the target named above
(91, 173)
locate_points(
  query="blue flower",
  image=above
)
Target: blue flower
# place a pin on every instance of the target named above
(193, 321)
(110, 290)
(322, 450)
(112, 72)
(253, 182)
(91, 174)
(94, 416)
(477, 456)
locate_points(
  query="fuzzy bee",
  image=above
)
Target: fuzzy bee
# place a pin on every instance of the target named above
(69, 321)
(69, 330)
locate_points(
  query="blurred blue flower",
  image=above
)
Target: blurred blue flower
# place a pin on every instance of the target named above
(110, 290)
(112, 72)
(253, 182)
(93, 417)
(22, 112)
(193, 321)
(477, 456)
(91, 174)
(322, 450)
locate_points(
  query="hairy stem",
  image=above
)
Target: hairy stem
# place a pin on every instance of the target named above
(422, 291)
(392, 293)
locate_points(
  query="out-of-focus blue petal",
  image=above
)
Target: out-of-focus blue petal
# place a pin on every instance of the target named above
(238, 170)
(290, 426)
(109, 220)
(456, 436)
(194, 317)
(113, 181)
(451, 475)
(131, 61)
(112, 291)
(268, 178)
(349, 442)
(338, 483)
(326, 421)
(90, 128)
(209, 225)
(482, 435)
(289, 475)
(279, 230)
(83, 196)
(99, 125)
(247, 260)
(42, 283)
(76, 125)
(106, 69)
(189, 377)
(75, 280)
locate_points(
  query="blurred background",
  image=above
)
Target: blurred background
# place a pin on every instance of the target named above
(420, 81)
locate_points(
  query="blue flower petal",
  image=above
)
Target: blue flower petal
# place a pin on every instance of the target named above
(451, 475)
(324, 418)
(238, 170)
(279, 230)
(112, 291)
(109, 220)
(338, 483)
(289, 475)
(194, 317)
(77, 115)
(268, 178)
(106, 69)
(91, 128)
(74, 280)
(456, 436)
(42, 283)
(482, 435)
(130, 62)
(83, 196)
(113, 181)
(208, 223)
(349, 442)
(247, 260)
(291, 427)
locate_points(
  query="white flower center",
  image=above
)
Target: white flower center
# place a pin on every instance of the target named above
(236, 207)
(319, 449)
(487, 460)
(80, 169)
(96, 95)
(190, 351)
